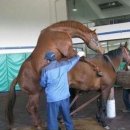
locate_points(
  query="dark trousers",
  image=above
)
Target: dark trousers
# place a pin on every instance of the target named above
(126, 98)
(54, 108)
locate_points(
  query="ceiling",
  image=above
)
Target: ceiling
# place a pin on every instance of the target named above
(88, 10)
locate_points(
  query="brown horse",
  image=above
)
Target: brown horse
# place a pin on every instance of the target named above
(56, 38)
(83, 77)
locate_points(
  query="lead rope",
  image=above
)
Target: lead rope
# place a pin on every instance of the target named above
(93, 65)
(111, 62)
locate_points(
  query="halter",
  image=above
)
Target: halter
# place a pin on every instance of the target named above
(109, 59)
(127, 54)
(93, 40)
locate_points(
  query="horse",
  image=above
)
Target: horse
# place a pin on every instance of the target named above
(83, 77)
(57, 38)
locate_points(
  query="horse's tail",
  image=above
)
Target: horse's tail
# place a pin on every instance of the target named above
(11, 103)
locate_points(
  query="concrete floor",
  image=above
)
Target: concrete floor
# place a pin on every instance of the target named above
(121, 122)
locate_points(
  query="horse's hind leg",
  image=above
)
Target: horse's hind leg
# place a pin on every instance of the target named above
(28, 80)
(32, 107)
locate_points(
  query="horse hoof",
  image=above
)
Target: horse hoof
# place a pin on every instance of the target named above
(107, 127)
(40, 128)
(98, 119)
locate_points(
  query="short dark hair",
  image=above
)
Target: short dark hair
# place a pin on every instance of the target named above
(50, 56)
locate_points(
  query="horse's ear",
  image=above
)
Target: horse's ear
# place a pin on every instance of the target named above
(126, 44)
(94, 30)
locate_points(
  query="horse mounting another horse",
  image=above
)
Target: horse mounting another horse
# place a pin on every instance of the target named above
(83, 77)
(57, 38)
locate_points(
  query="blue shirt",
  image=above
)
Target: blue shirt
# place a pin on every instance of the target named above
(55, 80)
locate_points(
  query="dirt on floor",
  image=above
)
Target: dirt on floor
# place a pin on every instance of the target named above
(120, 122)
(80, 124)
(86, 124)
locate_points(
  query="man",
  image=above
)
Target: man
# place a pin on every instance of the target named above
(126, 93)
(54, 80)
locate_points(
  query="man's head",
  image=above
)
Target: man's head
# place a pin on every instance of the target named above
(50, 56)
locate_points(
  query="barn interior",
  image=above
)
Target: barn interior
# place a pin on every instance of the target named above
(20, 25)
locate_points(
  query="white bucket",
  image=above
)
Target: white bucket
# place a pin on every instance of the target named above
(111, 110)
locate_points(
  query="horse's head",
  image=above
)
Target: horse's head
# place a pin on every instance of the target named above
(125, 53)
(95, 44)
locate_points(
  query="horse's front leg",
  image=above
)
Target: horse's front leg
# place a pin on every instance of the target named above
(101, 114)
(32, 108)
(102, 101)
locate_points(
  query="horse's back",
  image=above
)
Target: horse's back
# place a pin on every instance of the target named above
(69, 25)
(83, 77)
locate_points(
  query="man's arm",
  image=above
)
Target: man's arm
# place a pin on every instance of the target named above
(72, 62)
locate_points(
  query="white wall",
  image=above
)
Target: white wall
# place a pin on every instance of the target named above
(106, 32)
(113, 31)
(22, 20)
(110, 32)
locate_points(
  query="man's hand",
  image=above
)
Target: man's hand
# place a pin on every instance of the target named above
(81, 53)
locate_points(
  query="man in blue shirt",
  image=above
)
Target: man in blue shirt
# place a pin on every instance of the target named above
(54, 80)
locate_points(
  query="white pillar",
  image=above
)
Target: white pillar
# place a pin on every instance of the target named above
(111, 109)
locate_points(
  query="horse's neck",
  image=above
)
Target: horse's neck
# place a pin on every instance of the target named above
(79, 31)
(116, 61)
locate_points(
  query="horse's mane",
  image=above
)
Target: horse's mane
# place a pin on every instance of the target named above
(114, 53)
(70, 24)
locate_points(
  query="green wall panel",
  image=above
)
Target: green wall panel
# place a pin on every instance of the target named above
(9, 68)
(3, 73)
